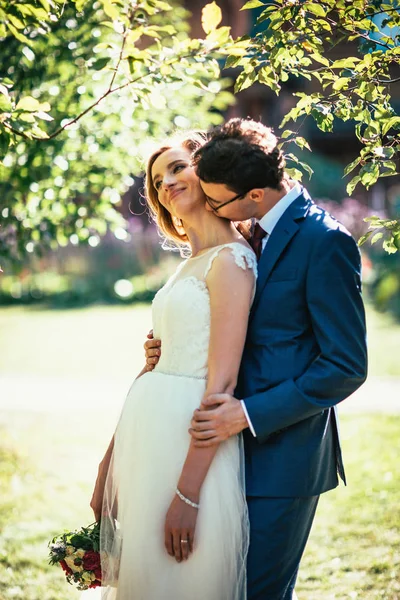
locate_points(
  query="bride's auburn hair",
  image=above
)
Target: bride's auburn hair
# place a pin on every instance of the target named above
(168, 225)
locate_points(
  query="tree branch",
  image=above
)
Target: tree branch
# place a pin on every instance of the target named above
(119, 60)
(91, 107)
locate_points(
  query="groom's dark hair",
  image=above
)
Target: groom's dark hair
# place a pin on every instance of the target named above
(242, 154)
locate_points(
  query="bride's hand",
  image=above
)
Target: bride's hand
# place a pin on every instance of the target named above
(180, 525)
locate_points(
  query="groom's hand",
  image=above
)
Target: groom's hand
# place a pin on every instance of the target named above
(220, 416)
(152, 349)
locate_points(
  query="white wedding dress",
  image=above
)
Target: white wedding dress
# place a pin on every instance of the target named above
(151, 444)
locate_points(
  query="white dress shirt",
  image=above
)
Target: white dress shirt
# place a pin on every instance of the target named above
(268, 222)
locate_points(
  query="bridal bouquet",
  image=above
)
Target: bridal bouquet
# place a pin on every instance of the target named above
(77, 553)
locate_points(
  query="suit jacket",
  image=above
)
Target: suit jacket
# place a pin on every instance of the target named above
(305, 352)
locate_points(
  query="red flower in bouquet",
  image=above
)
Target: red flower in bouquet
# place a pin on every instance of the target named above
(65, 567)
(91, 561)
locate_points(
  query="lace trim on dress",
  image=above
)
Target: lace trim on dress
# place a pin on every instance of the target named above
(245, 257)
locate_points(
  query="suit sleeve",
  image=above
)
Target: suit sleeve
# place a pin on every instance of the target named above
(333, 291)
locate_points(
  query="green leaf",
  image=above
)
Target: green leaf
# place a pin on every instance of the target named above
(5, 103)
(160, 5)
(307, 168)
(294, 174)
(16, 22)
(134, 35)
(245, 80)
(320, 59)
(19, 36)
(292, 157)
(341, 83)
(39, 133)
(345, 63)
(27, 118)
(352, 165)
(232, 61)
(389, 246)
(211, 17)
(100, 63)
(384, 153)
(266, 14)
(219, 36)
(252, 4)
(29, 10)
(352, 184)
(45, 4)
(267, 77)
(369, 174)
(376, 237)
(110, 10)
(364, 238)
(4, 143)
(393, 122)
(374, 219)
(316, 9)
(28, 104)
(324, 121)
(302, 143)
(80, 4)
(287, 133)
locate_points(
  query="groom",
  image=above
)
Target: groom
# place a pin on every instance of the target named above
(305, 350)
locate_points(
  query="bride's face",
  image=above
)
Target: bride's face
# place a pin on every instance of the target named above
(176, 183)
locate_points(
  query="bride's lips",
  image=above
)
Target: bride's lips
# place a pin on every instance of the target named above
(175, 193)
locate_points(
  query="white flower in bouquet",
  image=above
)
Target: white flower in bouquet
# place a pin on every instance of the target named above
(69, 550)
(80, 553)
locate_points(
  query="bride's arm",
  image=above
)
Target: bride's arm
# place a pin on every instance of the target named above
(230, 289)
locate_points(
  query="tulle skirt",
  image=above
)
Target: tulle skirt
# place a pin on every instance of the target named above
(151, 444)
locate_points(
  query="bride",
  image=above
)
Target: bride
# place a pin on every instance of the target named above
(174, 519)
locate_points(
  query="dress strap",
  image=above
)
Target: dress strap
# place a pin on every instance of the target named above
(244, 256)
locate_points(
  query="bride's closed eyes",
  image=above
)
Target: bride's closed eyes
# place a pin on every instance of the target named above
(176, 169)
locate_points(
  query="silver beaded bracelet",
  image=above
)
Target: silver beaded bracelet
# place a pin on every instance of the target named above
(182, 497)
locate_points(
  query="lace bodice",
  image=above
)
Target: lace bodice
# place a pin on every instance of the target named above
(181, 312)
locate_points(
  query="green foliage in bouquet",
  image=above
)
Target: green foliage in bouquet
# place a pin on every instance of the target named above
(77, 553)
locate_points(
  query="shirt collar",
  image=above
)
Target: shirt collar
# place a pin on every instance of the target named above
(272, 217)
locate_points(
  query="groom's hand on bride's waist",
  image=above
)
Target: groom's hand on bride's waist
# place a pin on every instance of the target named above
(152, 349)
(219, 417)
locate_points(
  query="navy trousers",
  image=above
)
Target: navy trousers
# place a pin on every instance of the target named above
(279, 529)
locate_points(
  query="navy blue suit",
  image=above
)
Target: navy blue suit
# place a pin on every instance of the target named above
(305, 352)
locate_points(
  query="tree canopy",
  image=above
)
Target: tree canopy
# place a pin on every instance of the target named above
(84, 89)
(296, 39)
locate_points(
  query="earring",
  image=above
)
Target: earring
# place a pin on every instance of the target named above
(178, 222)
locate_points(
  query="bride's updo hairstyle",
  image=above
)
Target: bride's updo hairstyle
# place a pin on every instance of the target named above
(170, 226)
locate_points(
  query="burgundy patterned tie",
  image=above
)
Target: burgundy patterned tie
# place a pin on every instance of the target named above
(256, 240)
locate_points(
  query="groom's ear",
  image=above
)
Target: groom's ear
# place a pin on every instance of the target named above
(257, 194)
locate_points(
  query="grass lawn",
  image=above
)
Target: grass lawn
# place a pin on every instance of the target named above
(97, 340)
(48, 462)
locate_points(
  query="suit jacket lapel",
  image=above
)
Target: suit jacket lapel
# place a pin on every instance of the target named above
(281, 235)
